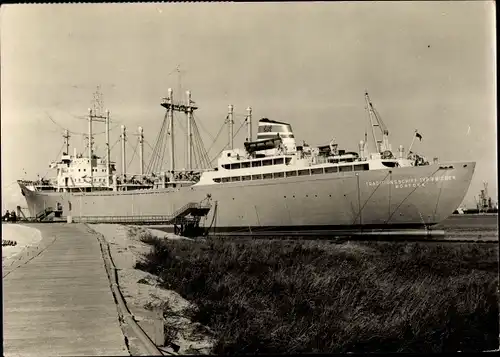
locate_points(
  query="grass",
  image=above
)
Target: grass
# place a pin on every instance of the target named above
(300, 297)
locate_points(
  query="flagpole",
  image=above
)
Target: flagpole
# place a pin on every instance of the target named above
(414, 136)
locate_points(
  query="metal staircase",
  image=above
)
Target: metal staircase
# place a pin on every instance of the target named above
(42, 216)
(187, 214)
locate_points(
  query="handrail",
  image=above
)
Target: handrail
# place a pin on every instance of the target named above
(178, 215)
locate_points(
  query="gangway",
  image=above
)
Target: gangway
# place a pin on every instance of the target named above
(184, 219)
(42, 216)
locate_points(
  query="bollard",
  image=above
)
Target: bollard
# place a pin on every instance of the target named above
(159, 337)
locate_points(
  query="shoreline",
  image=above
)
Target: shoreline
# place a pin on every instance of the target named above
(142, 294)
(24, 236)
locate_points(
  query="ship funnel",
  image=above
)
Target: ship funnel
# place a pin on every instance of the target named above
(269, 129)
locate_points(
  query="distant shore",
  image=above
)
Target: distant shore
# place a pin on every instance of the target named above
(24, 237)
(476, 212)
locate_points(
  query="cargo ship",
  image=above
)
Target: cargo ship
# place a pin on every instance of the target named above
(270, 184)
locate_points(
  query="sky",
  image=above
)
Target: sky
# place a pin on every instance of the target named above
(426, 65)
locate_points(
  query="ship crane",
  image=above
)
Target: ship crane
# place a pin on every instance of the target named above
(382, 146)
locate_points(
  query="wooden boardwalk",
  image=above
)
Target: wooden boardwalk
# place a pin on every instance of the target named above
(60, 302)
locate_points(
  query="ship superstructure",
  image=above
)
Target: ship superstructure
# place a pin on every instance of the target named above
(272, 183)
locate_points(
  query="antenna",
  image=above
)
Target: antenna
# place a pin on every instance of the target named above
(97, 114)
(179, 78)
(97, 103)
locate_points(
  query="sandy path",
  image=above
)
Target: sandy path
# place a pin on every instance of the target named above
(24, 236)
(141, 297)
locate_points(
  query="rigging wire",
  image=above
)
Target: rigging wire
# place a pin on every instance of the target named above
(220, 131)
(133, 155)
(203, 155)
(184, 131)
(155, 155)
(77, 133)
(60, 151)
(164, 147)
(112, 146)
(201, 125)
(149, 145)
(237, 131)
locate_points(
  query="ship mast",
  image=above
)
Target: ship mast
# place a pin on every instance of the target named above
(123, 138)
(66, 137)
(169, 104)
(108, 153)
(170, 114)
(95, 115)
(141, 150)
(90, 148)
(249, 124)
(230, 123)
(189, 134)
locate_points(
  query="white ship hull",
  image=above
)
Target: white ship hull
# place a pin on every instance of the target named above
(400, 197)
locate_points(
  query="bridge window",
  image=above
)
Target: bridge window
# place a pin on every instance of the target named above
(304, 172)
(256, 163)
(291, 173)
(267, 162)
(245, 164)
(246, 178)
(217, 180)
(329, 170)
(267, 176)
(236, 178)
(279, 174)
(345, 168)
(288, 159)
(317, 171)
(225, 179)
(226, 166)
(278, 161)
(235, 166)
(257, 177)
(361, 167)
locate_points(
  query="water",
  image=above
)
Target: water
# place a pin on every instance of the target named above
(473, 226)
(470, 225)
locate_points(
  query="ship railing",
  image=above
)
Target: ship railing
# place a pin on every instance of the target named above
(42, 182)
(180, 215)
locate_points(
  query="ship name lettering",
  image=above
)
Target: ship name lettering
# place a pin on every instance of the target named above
(411, 182)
